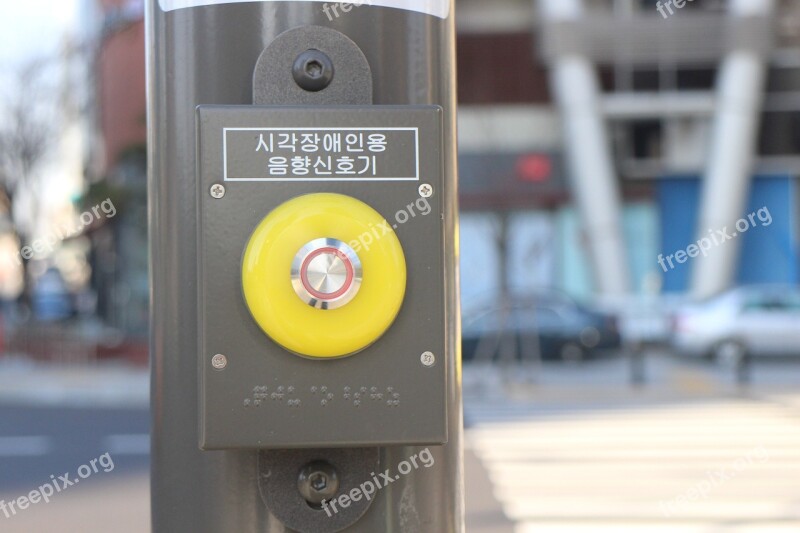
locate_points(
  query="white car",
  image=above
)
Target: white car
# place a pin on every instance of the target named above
(751, 320)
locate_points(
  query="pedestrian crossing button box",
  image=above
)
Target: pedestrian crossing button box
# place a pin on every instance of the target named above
(321, 276)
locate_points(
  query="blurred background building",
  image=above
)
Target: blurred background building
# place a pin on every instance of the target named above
(596, 137)
(75, 276)
(593, 135)
(118, 168)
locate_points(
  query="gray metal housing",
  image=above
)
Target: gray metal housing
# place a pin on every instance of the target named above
(267, 397)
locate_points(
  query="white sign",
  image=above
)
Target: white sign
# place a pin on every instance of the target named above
(438, 8)
(321, 154)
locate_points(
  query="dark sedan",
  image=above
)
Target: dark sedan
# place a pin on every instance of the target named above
(543, 327)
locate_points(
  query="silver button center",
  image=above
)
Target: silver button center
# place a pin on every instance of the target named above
(326, 273)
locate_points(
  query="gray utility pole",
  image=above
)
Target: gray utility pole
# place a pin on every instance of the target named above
(248, 436)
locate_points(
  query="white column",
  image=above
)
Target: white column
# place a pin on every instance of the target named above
(730, 164)
(588, 150)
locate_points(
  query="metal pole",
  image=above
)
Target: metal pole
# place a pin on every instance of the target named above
(206, 55)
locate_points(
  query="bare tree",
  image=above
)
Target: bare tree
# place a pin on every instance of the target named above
(29, 133)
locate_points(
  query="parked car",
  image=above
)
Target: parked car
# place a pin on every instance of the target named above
(755, 320)
(50, 297)
(546, 326)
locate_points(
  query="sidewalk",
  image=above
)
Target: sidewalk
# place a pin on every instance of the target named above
(546, 450)
(103, 384)
(121, 505)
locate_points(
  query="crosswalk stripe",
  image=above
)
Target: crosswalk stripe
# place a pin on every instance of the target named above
(25, 446)
(647, 469)
(133, 444)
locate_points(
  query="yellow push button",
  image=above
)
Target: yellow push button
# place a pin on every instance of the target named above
(324, 275)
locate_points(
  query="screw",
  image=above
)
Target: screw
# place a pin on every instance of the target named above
(219, 361)
(217, 191)
(317, 482)
(313, 70)
(426, 190)
(428, 359)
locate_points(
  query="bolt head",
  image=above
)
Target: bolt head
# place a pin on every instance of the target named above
(217, 191)
(427, 359)
(426, 190)
(313, 70)
(219, 361)
(318, 481)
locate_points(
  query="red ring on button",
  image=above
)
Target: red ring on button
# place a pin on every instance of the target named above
(348, 282)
